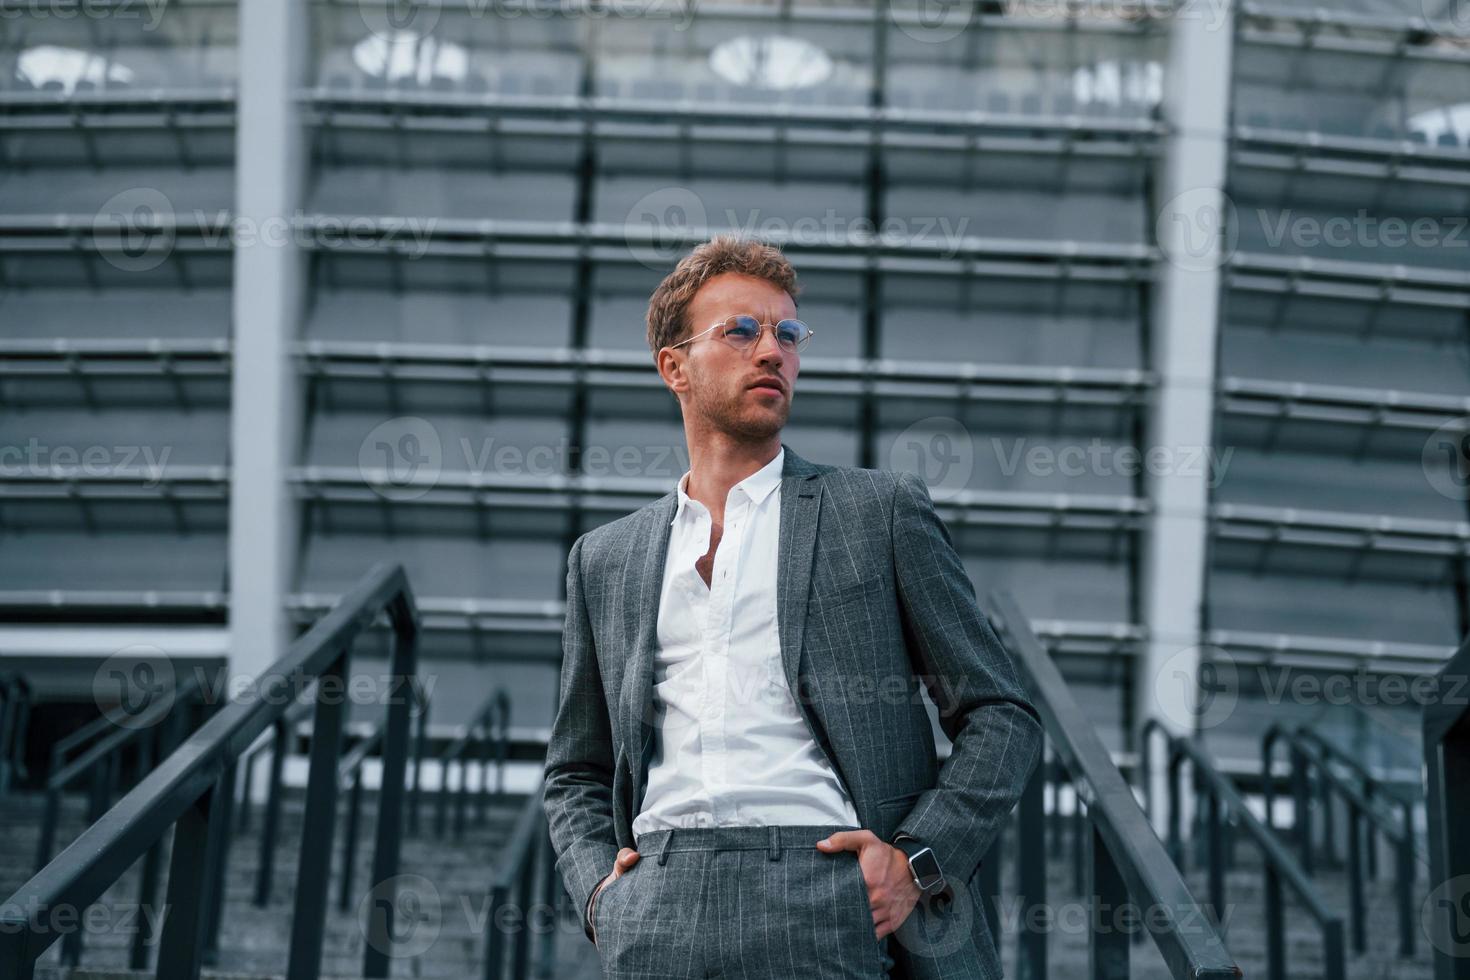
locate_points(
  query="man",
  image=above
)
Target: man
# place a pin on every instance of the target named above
(742, 778)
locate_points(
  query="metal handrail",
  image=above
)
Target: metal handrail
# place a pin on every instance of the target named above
(495, 708)
(1447, 800)
(153, 731)
(192, 791)
(1223, 801)
(1127, 858)
(529, 847)
(1307, 754)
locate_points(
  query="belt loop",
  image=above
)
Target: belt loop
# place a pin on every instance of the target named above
(774, 837)
(663, 852)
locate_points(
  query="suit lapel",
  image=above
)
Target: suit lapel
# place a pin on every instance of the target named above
(801, 499)
(801, 502)
(646, 567)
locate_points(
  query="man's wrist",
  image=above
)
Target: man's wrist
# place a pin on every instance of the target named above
(923, 863)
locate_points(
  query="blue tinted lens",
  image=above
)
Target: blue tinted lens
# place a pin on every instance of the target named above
(790, 333)
(742, 329)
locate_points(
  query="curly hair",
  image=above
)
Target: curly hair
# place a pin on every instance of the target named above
(668, 307)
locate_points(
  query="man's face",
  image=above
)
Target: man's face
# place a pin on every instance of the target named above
(744, 392)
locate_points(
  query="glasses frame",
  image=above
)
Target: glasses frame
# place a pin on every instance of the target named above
(810, 333)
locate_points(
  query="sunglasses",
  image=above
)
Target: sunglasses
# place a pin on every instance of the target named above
(743, 332)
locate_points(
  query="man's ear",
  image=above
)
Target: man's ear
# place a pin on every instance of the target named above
(674, 371)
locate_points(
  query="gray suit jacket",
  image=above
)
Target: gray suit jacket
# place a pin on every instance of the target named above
(872, 601)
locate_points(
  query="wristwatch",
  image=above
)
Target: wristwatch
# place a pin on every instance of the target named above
(923, 865)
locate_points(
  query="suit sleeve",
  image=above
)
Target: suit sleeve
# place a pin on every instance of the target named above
(577, 791)
(983, 709)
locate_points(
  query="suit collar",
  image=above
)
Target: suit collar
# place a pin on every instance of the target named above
(758, 486)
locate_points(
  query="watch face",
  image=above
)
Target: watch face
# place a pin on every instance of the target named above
(926, 870)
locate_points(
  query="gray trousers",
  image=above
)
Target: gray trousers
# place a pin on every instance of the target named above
(753, 903)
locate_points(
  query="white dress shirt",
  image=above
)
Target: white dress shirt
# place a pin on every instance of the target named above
(732, 747)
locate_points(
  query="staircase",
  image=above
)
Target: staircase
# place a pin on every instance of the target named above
(1246, 929)
(447, 939)
(442, 924)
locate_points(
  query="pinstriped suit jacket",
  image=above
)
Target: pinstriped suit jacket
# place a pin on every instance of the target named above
(872, 602)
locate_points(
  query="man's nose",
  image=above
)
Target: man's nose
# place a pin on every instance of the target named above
(767, 349)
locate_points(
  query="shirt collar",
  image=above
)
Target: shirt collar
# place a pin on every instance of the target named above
(757, 486)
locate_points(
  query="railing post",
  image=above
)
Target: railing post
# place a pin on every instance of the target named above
(421, 748)
(488, 752)
(1371, 841)
(1275, 926)
(1176, 805)
(394, 748)
(1080, 828)
(1355, 876)
(550, 894)
(1334, 958)
(1107, 940)
(521, 956)
(308, 921)
(265, 866)
(1404, 889)
(219, 861)
(181, 950)
(494, 937)
(1302, 819)
(1216, 858)
(349, 842)
(1031, 943)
